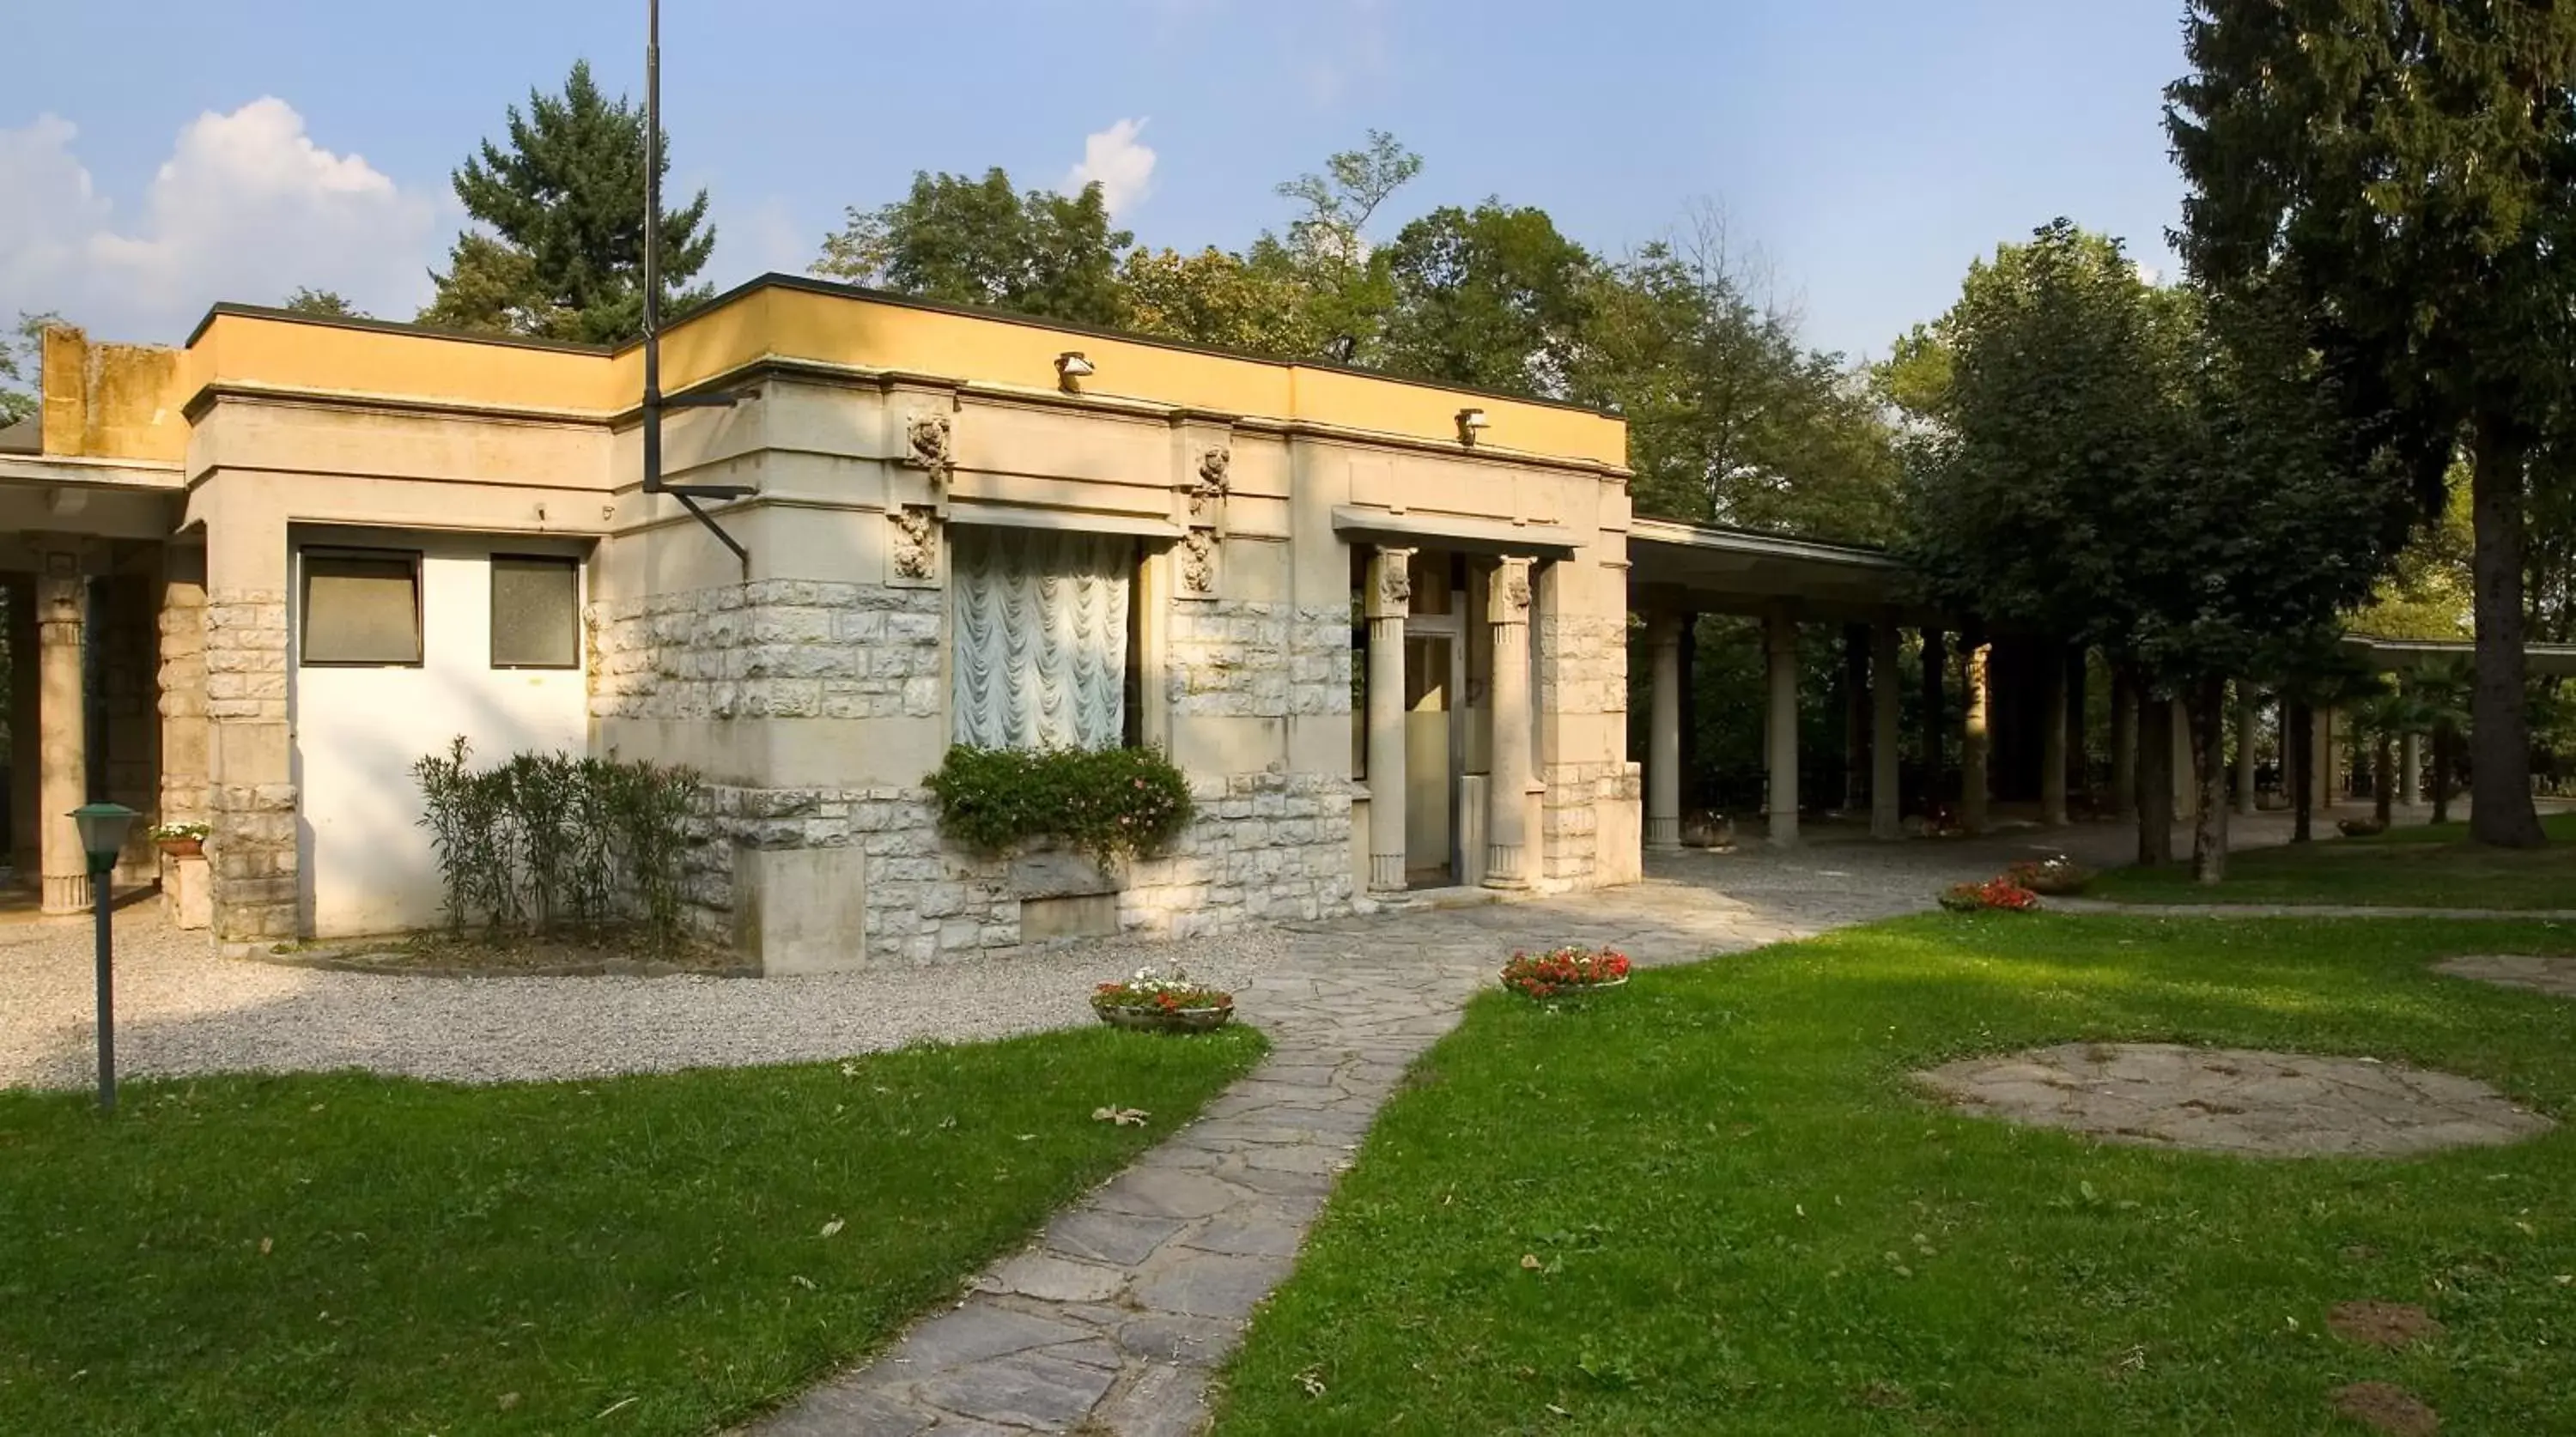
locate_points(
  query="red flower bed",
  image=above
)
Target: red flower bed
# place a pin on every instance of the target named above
(1564, 970)
(1995, 893)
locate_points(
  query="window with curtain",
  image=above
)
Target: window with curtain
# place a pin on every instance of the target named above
(1039, 628)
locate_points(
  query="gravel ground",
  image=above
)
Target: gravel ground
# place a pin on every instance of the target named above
(181, 1010)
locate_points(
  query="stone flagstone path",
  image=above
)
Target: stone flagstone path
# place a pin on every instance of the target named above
(1128, 1299)
(1113, 1320)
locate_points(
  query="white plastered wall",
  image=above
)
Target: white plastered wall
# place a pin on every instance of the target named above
(365, 861)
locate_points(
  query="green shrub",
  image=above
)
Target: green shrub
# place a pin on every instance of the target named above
(546, 840)
(1107, 802)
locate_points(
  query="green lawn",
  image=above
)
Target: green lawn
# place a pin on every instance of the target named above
(2417, 866)
(1712, 1203)
(348, 1254)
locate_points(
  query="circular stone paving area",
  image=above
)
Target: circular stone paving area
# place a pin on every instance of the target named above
(2236, 1100)
(2516, 970)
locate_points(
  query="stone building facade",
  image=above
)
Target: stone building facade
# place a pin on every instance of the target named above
(1345, 742)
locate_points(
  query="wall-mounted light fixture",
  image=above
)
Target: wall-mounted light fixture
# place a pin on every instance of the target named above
(1471, 422)
(1071, 369)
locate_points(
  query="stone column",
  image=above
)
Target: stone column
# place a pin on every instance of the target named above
(1390, 597)
(2124, 745)
(1507, 614)
(1780, 640)
(25, 757)
(63, 738)
(2410, 770)
(251, 796)
(2052, 736)
(1886, 817)
(180, 691)
(2245, 726)
(1975, 668)
(1664, 734)
(1855, 716)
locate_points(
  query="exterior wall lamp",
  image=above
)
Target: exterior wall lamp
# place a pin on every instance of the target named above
(102, 834)
(1471, 422)
(1071, 369)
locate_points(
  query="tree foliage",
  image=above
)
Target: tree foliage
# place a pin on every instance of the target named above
(1731, 419)
(1492, 297)
(2161, 473)
(308, 300)
(22, 355)
(564, 206)
(981, 242)
(2407, 169)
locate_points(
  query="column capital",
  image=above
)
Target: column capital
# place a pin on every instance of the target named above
(1507, 597)
(1780, 629)
(1664, 628)
(1390, 583)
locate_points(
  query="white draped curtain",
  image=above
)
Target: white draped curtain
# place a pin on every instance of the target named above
(1040, 629)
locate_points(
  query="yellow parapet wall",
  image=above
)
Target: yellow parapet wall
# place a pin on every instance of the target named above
(130, 401)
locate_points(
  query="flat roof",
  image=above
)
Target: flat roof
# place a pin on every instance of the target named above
(1718, 569)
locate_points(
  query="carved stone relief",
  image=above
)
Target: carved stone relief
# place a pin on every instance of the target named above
(930, 442)
(1209, 491)
(916, 543)
(1198, 563)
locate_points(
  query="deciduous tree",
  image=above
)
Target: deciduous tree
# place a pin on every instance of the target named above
(981, 242)
(2408, 169)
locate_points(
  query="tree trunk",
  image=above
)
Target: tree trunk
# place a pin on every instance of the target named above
(2299, 769)
(2155, 780)
(2079, 772)
(1936, 720)
(2209, 771)
(2500, 808)
(2124, 741)
(2383, 781)
(2442, 772)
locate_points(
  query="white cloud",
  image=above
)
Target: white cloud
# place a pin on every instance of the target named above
(1124, 168)
(246, 208)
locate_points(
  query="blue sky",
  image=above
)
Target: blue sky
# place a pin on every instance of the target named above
(155, 157)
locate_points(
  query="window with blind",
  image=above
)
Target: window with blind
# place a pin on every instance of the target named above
(536, 612)
(361, 608)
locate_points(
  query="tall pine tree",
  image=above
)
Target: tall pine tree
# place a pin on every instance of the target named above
(565, 206)
(2408, 169)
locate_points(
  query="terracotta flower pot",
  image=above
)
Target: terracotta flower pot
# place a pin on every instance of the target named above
(182, 847)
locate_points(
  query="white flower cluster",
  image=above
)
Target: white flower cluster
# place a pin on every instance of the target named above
(1149, 979)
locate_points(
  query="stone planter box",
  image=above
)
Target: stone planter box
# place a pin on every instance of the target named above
(1155, 1020)
(1065, 895)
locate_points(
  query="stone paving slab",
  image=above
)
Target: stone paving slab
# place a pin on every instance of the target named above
(2243, 1101)
(2552, 975)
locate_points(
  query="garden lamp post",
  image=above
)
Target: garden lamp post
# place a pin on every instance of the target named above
(102, 834)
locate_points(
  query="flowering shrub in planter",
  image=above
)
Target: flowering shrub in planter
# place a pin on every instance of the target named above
(1109, 803)
(2049, 876)
(180, 840)
(1565, 970)
(1995, 893)
(1170, 1003)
